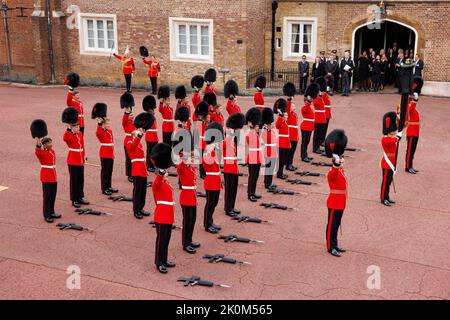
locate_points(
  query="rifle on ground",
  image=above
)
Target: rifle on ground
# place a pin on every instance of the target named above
(120, 198)
(201, 194)
(172, 174)
(72, 226)
(308, 174)
(234, 238)
(250, 219)
(196, 280)
(269, 205)
(282, 191)
(92, 212)
(221, 258)
(153, 223)
(321, 164)
(298, 181)
(354, 149)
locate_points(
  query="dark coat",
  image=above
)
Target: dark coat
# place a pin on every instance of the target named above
(363, 68)
(318, 70)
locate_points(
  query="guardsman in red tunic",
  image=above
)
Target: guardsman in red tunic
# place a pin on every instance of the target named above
(335, 144)
(235, 123)
(212, 182)
(180, 95)
(202, 114)
(231, 91)
(47, 159)
(258, 97)
(292, 121)
(154, 69)
(327, 103)
(197, 85)
(284, 144)
(167, 114)
(388, 162)
(75, 157)
(128, 67)
(72, 80)
(151, 135)
(412, 134)
(165, 205)
(253, 118)
(269, 138)
(320, 120)
(306, 127)
(210, 79)
(127, 103)
(215, 108)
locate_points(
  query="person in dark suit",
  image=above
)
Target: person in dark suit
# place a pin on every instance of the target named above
(346, 68)
(303, 73)
(318, 69)
(419, 66)
(363, 71)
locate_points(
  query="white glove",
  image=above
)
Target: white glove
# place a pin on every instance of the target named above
(416, 96)
(336, 159)
(399, 135)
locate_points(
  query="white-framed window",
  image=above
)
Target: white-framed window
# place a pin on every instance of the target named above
(98, 33)
(299, 37)
(191, 40)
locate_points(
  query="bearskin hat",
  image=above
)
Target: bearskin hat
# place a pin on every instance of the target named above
(182, 114)
(214, 133)
(211, 75)
(163, 92)
(197, 82)
(260, 82)
(281, 105)
(202, 109)
(417, 85)
(180, 92)
(161, 156)
(72, 80)
(253, 116)
(38, 129)
(335, 143)
(144, 120)
(389, 122)
(127, 100)
(143, 51)
(149, 103)
(236, 121)
(99, 110)
(289, 89)
(322, 84)
(267, 116)
(210, 98)
(69, 115)
(231, 89)
(312, 90)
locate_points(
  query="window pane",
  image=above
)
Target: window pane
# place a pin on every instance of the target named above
(193, 39)
(295, 28)
(91, 43)
(90, 24)
(205, 50)
(110, 44)
(99, 24)
(182, 40)
(183, 48)
(306, 48)
(110, 25)
(307, 28)
(205, 40)
(182, 29)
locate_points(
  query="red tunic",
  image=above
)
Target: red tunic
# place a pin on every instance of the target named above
(74, 102)
(389, 145)
(163, 195)
(154, 68)
(230, 164)
(232, 108)
(292, 122)
(151, 135)
(128, 128)
(75, 142)
(212, 180)
(414, 121)
(319, 111)
(258, 98)
(200, 127)
(217, 117)
(47, 159)
(137, 156)
(283, 133)
(167, 115)
(327, 103)
(337, 199)
(210, 88)
(128, 66)
(188, 194)
(106, 139)
(196, 99)
(253, 142)
(270, 143)
(308, 118)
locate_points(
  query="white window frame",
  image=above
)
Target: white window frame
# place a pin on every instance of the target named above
(288, 55)
(83, 32)
(175, 55)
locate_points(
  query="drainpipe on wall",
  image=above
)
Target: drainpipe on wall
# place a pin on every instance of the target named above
(272, 57)
(4, 9)
(48, 13)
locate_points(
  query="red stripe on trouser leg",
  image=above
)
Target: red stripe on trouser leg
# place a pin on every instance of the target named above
(330, 223)
(408, 154)
(383, 185)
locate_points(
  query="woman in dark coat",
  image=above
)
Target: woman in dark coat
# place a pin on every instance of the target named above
(363, 71)
(376, 73)
(390, 71)
(384, 69)
(318, 69)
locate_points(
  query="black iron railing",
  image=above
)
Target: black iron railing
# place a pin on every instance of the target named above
(280, 77)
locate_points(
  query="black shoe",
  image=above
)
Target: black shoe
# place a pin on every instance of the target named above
(144, 213)
(257, 196)
(317, 151)
(306, 159)
(113, 190)
(130, 179)
(310, 159)
(55, 216)
(195, 245)
(212, 230)
(107, 192)
(283, 177)
(138, 215)
(162, 269)
(335, 253)
(410, 170)
(49, 220)
(391, 201)
(290, 168)
(415, 170)
(190, 250)
(76, 204)
(386, 203)
(216, 227)
(340, 249)
(236, 211)
(252, 198)
(232, 214)
(82, 201)
(272, 187)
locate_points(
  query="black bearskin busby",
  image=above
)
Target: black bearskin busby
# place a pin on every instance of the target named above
(289, 89)
(253, 116)
(72, 80)
(312, 90)
(161, 156)
(210, 98)
(144, 120)
(267, 116)
(214, 133)
(389, 122)
(180, 93)
(281, 105)
(99, 110)
(197, 82)
(163, 92)
(260, 82)
(231, 89)
(38, 129)
(210, 75)
(143, 51)
(335, 143)
(236, 121)
(127, 100)
(70, 116)
(182, 114)
(322, 84)
(149, 103)
(202, 109)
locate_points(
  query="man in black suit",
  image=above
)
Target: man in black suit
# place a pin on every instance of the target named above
(303, 73)
(346, 68)
(419, 66)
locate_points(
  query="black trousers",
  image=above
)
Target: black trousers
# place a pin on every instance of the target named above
(106, 173)
(231, 188)
(269, 171)
(150, 146)
(139, 193)
(388, 174)
(290, 158)
(253, 175)
(154, 81)
(167, 138)
(212, 199)
(410, 151)
(306, 138)
(49, 190)
(283, 154)
(201, 169)
(318, 136)
(127, 163)
(325, 130)
(334, 222)
(76, 174)
(189, 218)
(128, 81)
(163, 233)
(303, 84)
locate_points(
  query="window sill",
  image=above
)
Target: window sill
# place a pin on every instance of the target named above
(296, 57)
(192, 60)
(96, 53)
